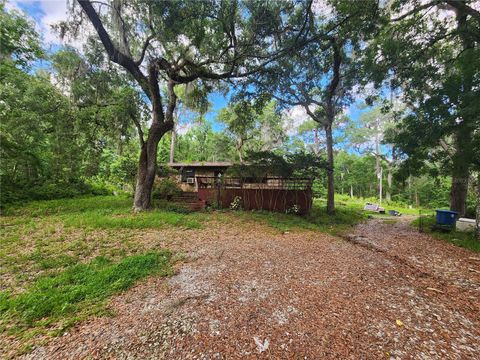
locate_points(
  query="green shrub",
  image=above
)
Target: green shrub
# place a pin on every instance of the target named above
(236, 203)
(20, 192)
(165, 189)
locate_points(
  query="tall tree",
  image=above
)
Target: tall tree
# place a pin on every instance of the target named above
(19, 42)
(184, 42)
(259, 126)
(431, 52)
(367, 135)
(319, 77)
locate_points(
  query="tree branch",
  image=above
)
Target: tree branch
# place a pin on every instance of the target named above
(416, 10)
(139, 129)
(144, 49)
(114, 54)
(462, 6)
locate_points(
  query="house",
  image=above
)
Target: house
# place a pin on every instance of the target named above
(205, 183)
(189, 171)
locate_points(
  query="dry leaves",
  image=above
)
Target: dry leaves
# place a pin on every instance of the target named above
(250, 292)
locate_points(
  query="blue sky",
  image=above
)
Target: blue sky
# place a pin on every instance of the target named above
(47, 12)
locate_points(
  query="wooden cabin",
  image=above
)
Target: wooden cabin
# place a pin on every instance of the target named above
(188, 172)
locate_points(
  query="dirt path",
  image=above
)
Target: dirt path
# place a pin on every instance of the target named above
(248, 292)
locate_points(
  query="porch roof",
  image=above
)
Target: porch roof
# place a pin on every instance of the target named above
(200, 164)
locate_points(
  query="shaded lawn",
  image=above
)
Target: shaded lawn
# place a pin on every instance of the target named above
(345, 217)
(104, 212)
(60, 260)
(77, 291)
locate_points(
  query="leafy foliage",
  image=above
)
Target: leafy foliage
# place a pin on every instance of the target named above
(265, 163)
(165, 189)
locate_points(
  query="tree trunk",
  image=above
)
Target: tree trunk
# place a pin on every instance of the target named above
(458, 195)
(147, 167)
(461, 161)
(351, 191)
(388, 194)
(239, 150)
(378, 165)
(460, 174)
(330, 165)
(463, 135)
(409, 182)
(341, 183)
(477, 227)
(172, 145)
(380, 184)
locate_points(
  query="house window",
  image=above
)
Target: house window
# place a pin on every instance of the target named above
(187, 173)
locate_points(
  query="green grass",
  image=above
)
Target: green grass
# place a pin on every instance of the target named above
(105, 212)
(349, 211)
(318, 219)
(359, 203)
(60, 260)
(463, 239)
(79, 288)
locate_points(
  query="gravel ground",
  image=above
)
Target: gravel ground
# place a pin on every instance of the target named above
(248, 292)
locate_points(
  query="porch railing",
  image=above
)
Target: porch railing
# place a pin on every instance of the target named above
(273, 183)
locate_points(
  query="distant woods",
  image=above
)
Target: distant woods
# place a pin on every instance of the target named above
(138, 95)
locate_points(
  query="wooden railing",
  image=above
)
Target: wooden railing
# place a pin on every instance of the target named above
(278, 183)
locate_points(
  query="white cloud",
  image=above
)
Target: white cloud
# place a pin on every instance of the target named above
(55, 12)
(296, 116)
(45, 14)
(323, 8)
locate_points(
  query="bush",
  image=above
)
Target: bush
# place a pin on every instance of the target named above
(294, 209)
(18, 192)
(236, 203)
(165, 189)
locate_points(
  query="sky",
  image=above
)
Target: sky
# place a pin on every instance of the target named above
(45, 13)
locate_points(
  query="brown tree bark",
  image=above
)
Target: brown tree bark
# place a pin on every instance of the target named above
(461, 160)
(460, 172)
(477, 222)
(330, 169)
(458, 194)
(330, 118)
(147, 168)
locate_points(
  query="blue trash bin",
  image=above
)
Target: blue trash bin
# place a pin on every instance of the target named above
(446, 217)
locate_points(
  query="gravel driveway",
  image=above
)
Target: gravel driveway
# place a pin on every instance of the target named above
(250, 292)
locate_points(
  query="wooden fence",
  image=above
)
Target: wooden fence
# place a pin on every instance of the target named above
(269, 193)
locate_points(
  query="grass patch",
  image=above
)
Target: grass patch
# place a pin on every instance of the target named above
(78, 288)
(318, 219)
(154, 219)
(61, 259)
(105, 212)
(359, 203)
(105, 204)
(460, 238)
